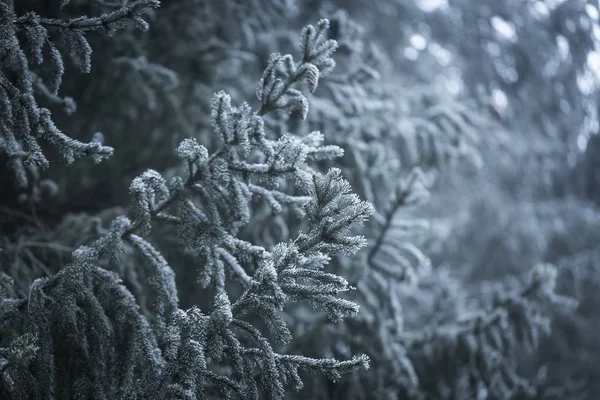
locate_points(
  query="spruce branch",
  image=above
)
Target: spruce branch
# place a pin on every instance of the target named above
(24, 122)
(109, 21)
(191, 353)
(411, 190)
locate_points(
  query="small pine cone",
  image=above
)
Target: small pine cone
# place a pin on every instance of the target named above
(98, 137)
(312, 77)
(304, 107)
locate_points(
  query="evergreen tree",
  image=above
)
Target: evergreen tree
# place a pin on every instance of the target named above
(215, 251)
